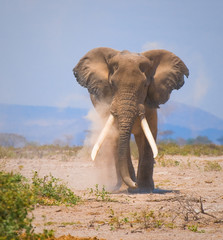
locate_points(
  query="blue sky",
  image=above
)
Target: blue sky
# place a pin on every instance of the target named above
(42, 40)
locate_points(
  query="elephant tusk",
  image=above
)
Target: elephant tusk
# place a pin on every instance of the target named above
(102, 136)
(149, 136)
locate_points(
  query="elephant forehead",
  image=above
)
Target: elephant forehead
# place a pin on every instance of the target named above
(126, 57)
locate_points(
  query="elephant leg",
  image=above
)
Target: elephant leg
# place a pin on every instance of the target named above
(146, 160)
(145, 166)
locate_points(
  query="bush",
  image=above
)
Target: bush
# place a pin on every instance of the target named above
(50, 191)
(212, 166)
(184, 150)
(32, 151)
(196, 149)
(16, 200)
(6, 152)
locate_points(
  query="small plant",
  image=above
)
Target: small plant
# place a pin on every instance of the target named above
(158, 223)
(50, 191)
(101, 195)
(170, 225)
(188, 163)
(167, 162)
(47, 234)
(49, 223)
(148, 218)
(212, 166)
(125, 219)
(114, 221)
(194, 228)
(68, 223)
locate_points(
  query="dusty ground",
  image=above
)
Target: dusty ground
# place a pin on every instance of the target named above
(188, 203)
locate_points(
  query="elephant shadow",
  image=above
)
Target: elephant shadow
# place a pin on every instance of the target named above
(144, 191)
(164, 191)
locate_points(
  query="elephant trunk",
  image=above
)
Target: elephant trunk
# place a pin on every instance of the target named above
(126, 119)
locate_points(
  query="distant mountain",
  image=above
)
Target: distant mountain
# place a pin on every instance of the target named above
(189, 122)
(47, 125)
(187, 116)
(44, 125)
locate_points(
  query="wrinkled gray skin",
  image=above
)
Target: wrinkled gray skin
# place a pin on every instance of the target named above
(133, 85)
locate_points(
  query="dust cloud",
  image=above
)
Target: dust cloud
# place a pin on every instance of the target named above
(101, 171)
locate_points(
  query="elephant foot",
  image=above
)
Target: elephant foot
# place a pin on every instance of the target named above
(140, 190)
(143, 187)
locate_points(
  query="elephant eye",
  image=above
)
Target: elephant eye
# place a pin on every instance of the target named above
(113, 67)
(112, 83)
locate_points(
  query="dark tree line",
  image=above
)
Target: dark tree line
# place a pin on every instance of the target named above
(165, 136)
(12, 140)
(220, 140)
(16, 140)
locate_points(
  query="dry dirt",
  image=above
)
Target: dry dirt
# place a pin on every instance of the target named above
(187, 203)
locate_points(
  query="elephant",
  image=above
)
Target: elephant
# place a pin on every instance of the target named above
(132, 86)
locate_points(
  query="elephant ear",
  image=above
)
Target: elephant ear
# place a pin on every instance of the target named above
(92, 71)
(168, 72)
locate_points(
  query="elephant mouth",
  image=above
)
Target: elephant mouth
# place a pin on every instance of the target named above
(152, 104)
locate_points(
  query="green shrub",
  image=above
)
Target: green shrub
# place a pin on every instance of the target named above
(16, 200)
(6, 152)
(212, 166)
(196, 149)
(46, 234)
(167, 162)
(50, 191)
(32, 151)
(102, 194)
(66, 152)
(184, 150)
(194, 228)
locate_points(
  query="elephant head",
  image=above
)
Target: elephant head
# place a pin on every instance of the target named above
(129, 82)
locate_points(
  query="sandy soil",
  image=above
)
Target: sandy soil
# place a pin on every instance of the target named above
(187, 203)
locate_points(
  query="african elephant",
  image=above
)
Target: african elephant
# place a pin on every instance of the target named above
(133, 85)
